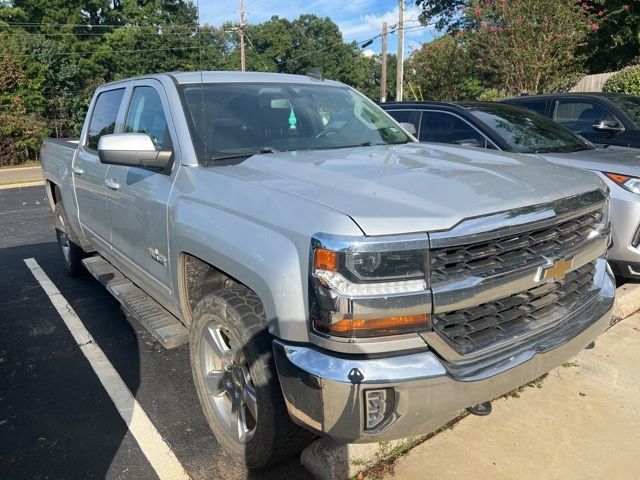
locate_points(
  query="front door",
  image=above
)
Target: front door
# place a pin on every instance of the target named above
(89, 173)
(137, 198)
(580, 115)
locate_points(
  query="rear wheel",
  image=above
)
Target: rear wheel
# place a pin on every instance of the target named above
(236, 380)
(68, 243)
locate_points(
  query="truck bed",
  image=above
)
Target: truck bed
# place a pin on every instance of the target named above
(56, 156)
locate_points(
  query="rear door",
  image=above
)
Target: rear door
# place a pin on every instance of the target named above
(89, 174)
(137, 197)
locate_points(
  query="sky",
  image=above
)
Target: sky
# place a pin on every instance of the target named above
(359, 20)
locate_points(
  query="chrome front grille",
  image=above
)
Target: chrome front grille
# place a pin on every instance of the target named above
(471, 329)
(512, 252)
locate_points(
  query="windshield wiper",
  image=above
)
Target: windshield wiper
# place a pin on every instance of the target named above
(244, 155)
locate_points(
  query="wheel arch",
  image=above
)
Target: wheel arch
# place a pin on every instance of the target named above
(198, 277)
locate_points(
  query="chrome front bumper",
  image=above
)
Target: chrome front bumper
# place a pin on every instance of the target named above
(325, 392)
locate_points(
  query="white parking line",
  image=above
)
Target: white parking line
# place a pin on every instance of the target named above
(160, 456)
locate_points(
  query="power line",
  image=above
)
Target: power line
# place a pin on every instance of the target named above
(113, 51)
(149, 50)
(87, 25)
(358, 43)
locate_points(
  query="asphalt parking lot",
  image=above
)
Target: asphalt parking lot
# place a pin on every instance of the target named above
(56, 418)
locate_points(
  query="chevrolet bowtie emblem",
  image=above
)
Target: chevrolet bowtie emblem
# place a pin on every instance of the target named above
(558, 270)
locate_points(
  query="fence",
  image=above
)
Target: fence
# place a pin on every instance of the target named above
(592, 83)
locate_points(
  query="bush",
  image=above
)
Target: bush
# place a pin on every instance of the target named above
(20, 138)
(491, 95)
(626, 81)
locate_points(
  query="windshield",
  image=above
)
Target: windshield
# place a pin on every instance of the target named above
(629, 105)
(245, 118)
(528, 132)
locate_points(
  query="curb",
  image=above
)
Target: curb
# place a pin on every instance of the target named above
(17, 169)
(325, 459)
(24, 184)
(627, 300)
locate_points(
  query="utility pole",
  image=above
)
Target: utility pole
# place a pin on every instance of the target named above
(383, 75)
(400, 68)
(243, 65)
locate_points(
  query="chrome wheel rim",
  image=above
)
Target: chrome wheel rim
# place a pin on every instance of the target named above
(227, 383)
(63, 239)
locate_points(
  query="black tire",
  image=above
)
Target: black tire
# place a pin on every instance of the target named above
(240, 315)
(68, 244)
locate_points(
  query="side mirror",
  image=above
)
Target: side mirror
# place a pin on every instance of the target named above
(610, 126)
(469, 142)
(409, 127)
(132, 150)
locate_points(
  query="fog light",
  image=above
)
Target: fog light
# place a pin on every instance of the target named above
(378, 406)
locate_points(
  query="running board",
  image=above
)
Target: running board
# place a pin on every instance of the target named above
(166, 328)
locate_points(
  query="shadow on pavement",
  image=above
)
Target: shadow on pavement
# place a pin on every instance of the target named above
(56, 420)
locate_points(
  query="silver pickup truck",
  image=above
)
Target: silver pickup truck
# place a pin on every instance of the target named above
(330, 274)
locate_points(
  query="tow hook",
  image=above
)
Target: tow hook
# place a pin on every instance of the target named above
(590, 346)
(482, 409)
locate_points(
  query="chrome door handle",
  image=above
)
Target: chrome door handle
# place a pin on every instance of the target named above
(77, 171)
(112, 185)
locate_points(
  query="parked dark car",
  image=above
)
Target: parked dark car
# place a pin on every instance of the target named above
(602, 118)
(515, 129)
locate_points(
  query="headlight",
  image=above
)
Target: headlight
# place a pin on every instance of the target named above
(369, 293)
(631, 184)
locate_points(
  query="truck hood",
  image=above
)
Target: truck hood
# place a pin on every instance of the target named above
(415, 187)
(608, 159)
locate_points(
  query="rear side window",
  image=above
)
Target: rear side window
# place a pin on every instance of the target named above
(536, 106)
(105, 114)
(579, 116)
(443, 127)
(146, 115)
(404, 116)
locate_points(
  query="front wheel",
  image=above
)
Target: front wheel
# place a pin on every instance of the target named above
(68, 243)
(236, 379)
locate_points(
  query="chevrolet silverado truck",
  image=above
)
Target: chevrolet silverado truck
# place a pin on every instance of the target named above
(330, 274)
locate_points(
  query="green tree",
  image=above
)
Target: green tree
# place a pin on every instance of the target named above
(614, 41)
(22, 104)
(446, 15)
(443, 70)
(526, 46)
(55, 52)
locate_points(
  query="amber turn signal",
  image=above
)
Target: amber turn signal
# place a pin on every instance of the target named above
(616, 177)
(376, 326)
(326, 260)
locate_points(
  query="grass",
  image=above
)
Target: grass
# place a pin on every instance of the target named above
(571, 364)
(537, 383)
(384, 461)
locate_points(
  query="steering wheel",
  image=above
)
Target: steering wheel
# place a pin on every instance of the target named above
(327, 132)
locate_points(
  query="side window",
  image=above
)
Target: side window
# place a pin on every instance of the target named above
(105, 114)
(146, 115)
(404, 116)
(443, 127)
(580, 115)
(536, 106)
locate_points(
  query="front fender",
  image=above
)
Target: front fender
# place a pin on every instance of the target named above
(258, 235)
